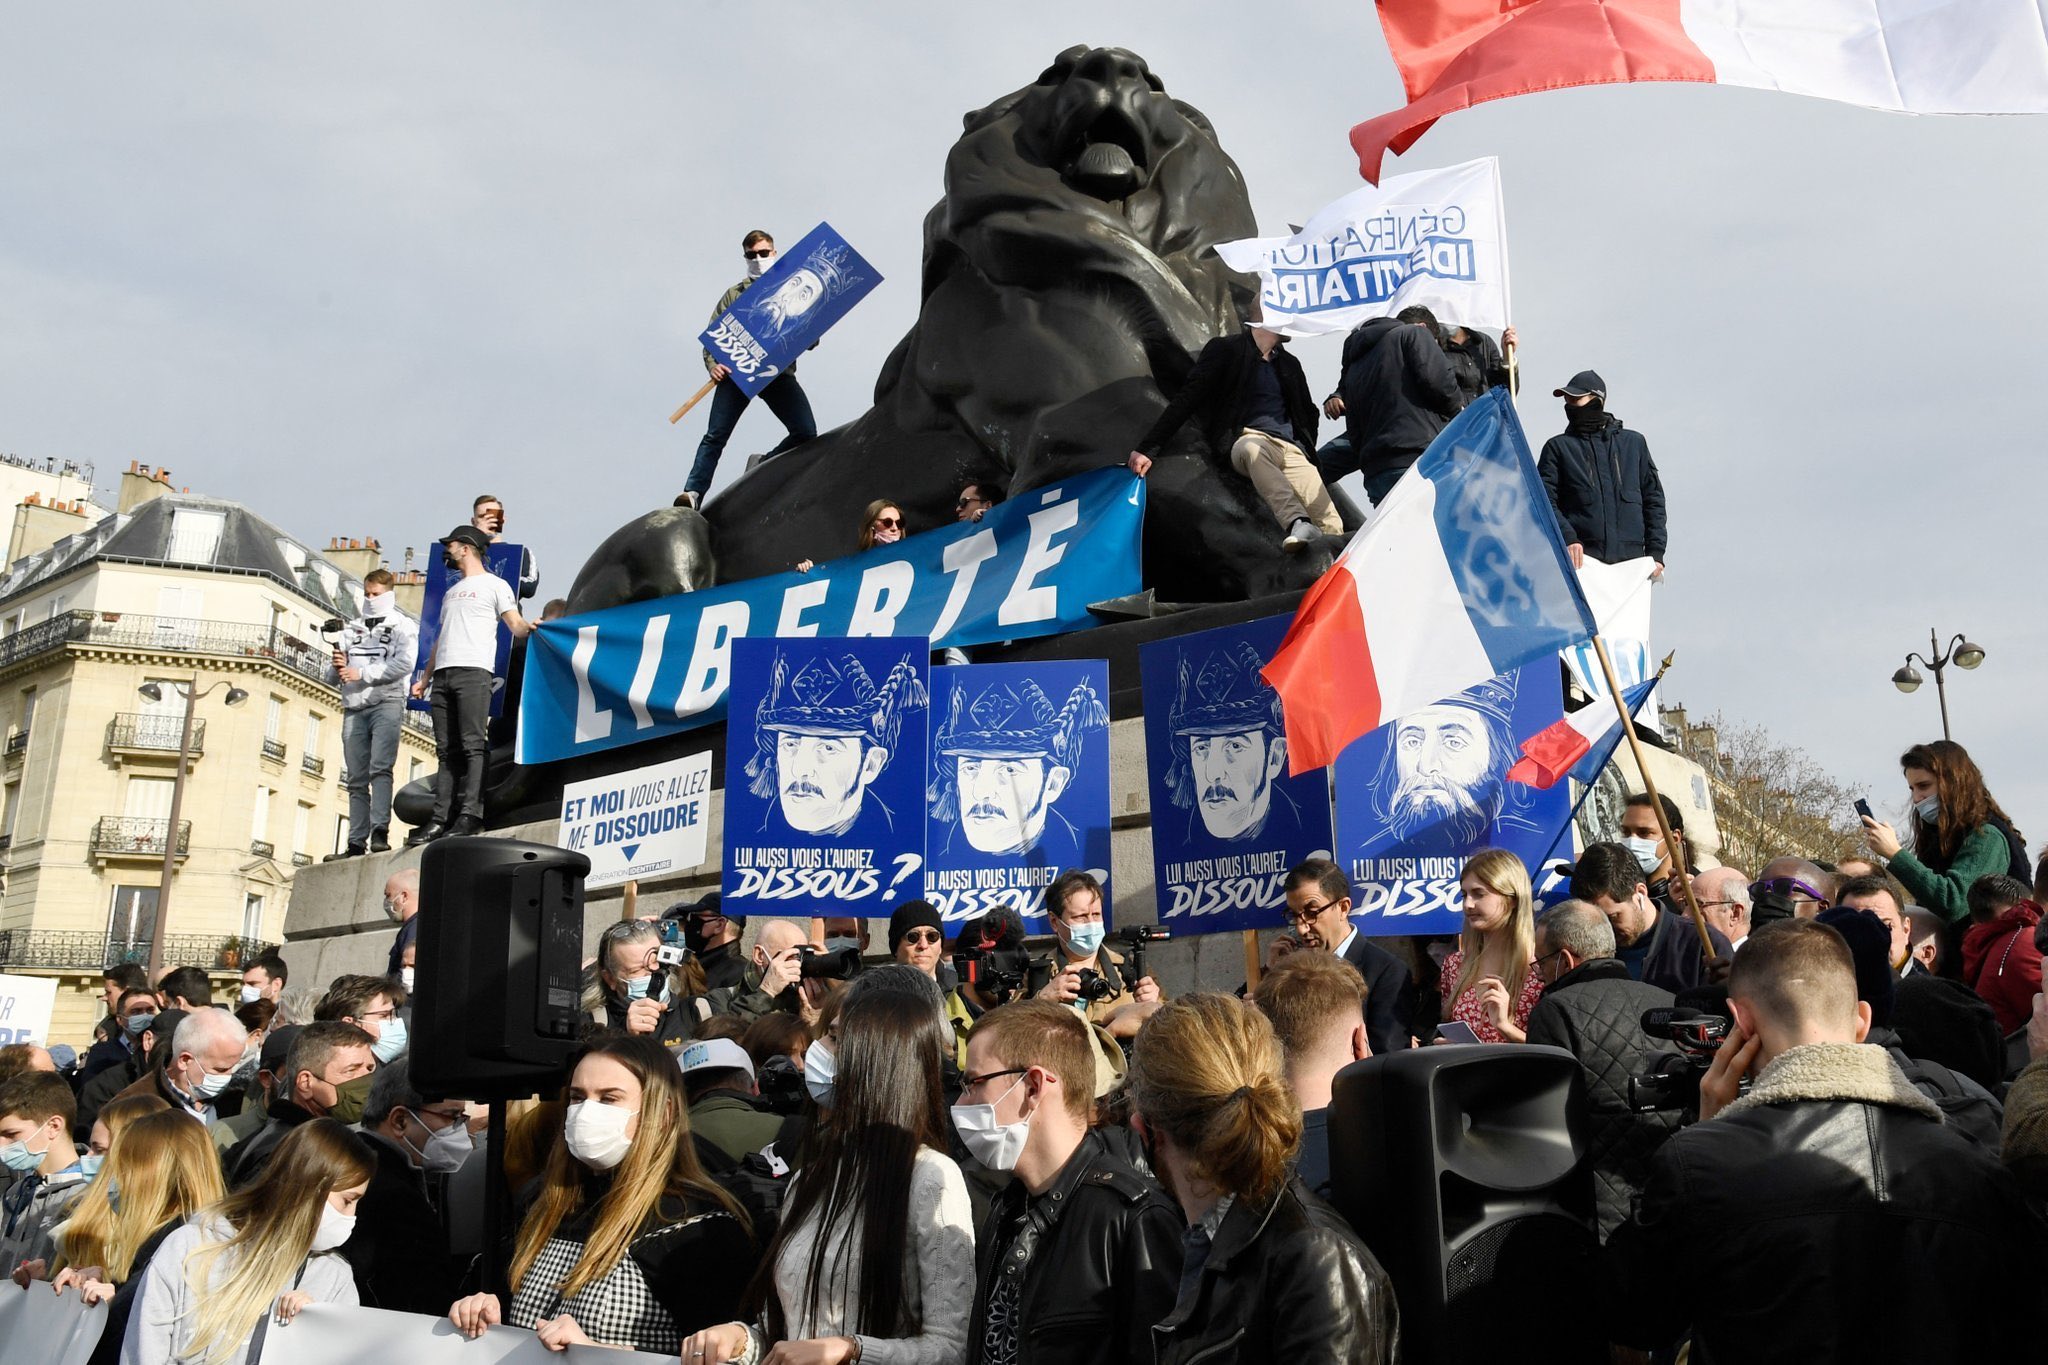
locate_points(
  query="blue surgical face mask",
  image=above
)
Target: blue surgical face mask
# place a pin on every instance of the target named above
(16, 1156)
(642, 987)
(91, 1162)
(821, 1069)
(138, 1024)
(390, 1043)
(1086, 938)
(1929, 810)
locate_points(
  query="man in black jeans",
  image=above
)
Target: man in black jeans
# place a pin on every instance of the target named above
(459, 673)
(1081, 1252)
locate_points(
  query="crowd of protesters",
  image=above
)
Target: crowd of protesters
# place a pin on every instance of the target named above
(783, 1151)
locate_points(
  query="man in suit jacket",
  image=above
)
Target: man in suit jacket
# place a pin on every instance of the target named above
(1319, 908)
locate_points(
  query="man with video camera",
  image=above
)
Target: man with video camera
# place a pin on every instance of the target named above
(636, 991)
(374, 657)
(1803, 1201)
(1088, 974)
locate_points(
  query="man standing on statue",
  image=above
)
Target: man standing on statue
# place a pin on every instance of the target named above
(783, 395)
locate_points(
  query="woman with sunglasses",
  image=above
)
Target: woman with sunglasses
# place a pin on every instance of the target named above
(881, 524)
(916, 940)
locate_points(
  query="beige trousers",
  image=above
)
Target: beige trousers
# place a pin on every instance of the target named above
(1286, 480)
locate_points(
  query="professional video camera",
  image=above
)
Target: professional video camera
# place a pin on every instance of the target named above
(839, 964)
(672, 951)
(1676, 1082)
(996, 973)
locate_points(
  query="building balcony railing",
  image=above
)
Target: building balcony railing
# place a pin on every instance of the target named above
(17, 744)
(302, 860)
(53, 948)
(166, 634)
(263, 848)
(313, 764)
(141, 732)
(123, 836)
(274, 748)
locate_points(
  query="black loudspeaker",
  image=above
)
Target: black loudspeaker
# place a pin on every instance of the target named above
(499, 972)
(1460, 1167)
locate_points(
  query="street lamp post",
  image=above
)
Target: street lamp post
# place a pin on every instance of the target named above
(155, 692)
(1961, 653)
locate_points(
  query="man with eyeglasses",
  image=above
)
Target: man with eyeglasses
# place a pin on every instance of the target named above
(1591, 1009)
(975, 499)
(1723, 894)
(399, 1251)
(1319, 911)
(1790, 888)
(1080, 1253)
(783, 395)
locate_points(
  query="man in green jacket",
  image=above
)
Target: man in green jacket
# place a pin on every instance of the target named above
(783, 395)
(718, 1076)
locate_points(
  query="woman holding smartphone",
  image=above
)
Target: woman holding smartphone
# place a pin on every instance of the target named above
(1490, 983)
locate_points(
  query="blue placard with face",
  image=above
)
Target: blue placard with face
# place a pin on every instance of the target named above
(1019, 787)
(806, 290)
(1227, 820)
(825, 775)
(1419, 795)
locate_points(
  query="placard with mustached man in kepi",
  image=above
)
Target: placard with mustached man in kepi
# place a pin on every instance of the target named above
(825, 764)
(1019, 784)
(1227, 820)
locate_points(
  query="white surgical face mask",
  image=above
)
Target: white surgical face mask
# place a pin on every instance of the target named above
(335, 1228)
(821, 1069)
(210, 1085)
(1648, 854)
(995, 1145)
(390, 1041)
(405, 978)
(596, 1133)
(448, 1149)
(251, 994)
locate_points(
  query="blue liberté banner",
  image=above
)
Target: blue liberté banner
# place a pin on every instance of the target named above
(824, 775)
(611, 678)
(782, 314)
(503, 560)
(1227, 820)
(1019, 788)
(1419, 795)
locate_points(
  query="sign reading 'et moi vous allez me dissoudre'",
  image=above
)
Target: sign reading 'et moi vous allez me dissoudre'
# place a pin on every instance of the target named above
(643, 823)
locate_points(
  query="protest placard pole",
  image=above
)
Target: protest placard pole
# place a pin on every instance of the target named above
(1679, 872)
(1251, 959)
(695, 399)
(629, 902)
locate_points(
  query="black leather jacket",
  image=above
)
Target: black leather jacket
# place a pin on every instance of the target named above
(1105, 1267)
(1810, 1206)
(1285, 1281)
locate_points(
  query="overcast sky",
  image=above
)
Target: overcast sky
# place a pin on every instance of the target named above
(352, 266)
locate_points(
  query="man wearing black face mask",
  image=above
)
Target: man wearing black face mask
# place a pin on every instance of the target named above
(1602, 482)
(714, 939)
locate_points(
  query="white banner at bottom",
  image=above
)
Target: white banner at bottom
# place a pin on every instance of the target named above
(327, 1334)
(43, 1327)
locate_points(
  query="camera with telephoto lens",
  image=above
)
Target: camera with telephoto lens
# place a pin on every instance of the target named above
(1675, 1084)
(839, 964)
(997, 973)
(781, 1086)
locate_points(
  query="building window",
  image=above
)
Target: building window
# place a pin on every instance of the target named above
(412, 771)
(340, 833)
(13, 799)
(252, 916)
(28, 709)
(259, 827)
(313, 727)
(195, 535)
(301, 825)
(130, 921)
(149, 798)
(273, 720)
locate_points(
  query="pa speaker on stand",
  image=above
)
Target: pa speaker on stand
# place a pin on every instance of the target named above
(1460, 1166)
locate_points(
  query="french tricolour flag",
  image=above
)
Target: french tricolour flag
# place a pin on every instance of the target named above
(1578, 746)
(1459, 576)
(1911, 56)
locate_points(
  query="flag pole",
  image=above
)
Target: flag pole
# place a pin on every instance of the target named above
(1671, 844)
(1586, 788)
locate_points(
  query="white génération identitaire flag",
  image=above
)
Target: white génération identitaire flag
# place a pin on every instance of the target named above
(1434, 238)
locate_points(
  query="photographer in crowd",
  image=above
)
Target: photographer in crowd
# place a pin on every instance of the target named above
(627, 1242)
(1830, 1148)
(1264, 1263)
(1088, 974)
(1081, 1254)
(635, 992)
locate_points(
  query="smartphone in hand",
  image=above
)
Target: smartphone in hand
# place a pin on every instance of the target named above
(1456, 1031)
(1863, 808)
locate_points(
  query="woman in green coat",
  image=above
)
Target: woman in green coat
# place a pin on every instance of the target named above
(1959, 833)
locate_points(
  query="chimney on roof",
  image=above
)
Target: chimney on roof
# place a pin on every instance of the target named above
(39, 525)
(351, 557)
(140, 485)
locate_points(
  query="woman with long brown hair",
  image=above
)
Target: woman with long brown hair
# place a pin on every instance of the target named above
(874, 1259)
(160, 1169)
(1272, 1272)
(880, 524)
(1959, 832)
(1490, 982)
(218, 1281)
(628, 1242)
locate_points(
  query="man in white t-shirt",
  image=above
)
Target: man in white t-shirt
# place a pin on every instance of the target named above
(459, 674)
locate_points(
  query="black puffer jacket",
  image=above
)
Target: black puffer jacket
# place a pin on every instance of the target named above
(1104, 1267)
(1476, 362)
(1605, 489)
(1398, 392)
(1810, 1196)
(1218, 394)
(1595, 1012)
(1286, 1280)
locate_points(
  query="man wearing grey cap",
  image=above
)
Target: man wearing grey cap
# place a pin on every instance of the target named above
(1601, 480)
(459, 674)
